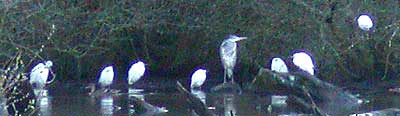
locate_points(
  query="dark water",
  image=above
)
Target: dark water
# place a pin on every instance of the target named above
(71, 99)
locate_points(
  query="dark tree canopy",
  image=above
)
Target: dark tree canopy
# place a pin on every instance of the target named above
(174, 37)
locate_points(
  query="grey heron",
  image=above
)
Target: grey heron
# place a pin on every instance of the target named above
(198, 78)
(136, 72)
(228, 54)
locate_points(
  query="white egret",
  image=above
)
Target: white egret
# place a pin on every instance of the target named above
(365, 22)
(106, 76)
(304, 61)
(279, 65)
(39, 74)
(228, 55)
(198, 78)
(136, 72)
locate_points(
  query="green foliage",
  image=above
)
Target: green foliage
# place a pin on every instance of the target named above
(174, 37)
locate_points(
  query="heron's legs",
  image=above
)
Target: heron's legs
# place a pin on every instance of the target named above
(230, 75)
(41, 92)
(232, 80)
(225, 71)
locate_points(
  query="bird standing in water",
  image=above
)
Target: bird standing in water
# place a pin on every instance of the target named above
(228, 54)
(136, 72)
(39, 75)
(198, 78)
(106, 76)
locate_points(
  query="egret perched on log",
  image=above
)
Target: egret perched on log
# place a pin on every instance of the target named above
(304, 61)
(198, 78)
(365, 22)
(279, 65)
(228, 54)
(39, 74)
(106, 76)
(136, 72)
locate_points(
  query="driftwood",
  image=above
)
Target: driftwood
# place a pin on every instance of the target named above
(228, 87)
(195, 103)
(141, 107)
(145, 109)
(98, 92)
(308, 90)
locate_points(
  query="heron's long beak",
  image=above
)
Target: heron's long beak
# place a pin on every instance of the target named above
(239, 38)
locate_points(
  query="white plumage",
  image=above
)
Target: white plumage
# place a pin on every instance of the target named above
(304, 61)
(106, 76)
(278, 65)
(365, 22)
(136, 72)
(198, 78)
(228, 54)
(40, 73)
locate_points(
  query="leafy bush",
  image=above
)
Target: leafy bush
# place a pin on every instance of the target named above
(174, 37)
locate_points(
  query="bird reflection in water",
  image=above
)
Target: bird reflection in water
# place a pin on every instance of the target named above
(229, 106)
(44, 104)
(106, 98)
(107, 106)
(132, 94)
(136, 93)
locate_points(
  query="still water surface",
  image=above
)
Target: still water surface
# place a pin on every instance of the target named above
(72, 99)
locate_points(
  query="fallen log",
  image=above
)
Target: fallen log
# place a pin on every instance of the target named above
(315, 92)
(195, 103)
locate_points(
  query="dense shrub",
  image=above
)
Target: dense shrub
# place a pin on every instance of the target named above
(174, 37)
